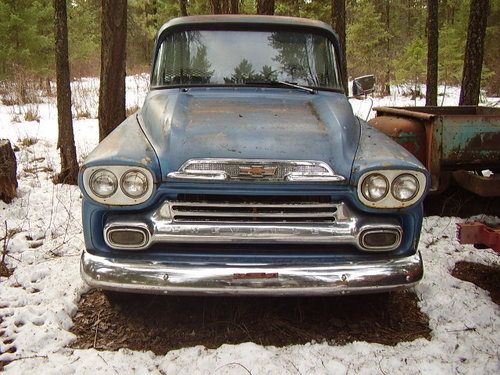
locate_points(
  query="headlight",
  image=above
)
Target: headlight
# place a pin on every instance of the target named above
(134, 184)
(405, 187)
(118, 185)
(103, 183)
(375, 187)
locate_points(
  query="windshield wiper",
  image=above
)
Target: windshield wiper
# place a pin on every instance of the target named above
(281, 83)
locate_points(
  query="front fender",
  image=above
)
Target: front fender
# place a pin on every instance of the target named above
(378, 151)
(126, 145)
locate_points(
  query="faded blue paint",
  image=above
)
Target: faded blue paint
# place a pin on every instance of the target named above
(250, 123)
(470, 139)
(126, 145)
(378, 151)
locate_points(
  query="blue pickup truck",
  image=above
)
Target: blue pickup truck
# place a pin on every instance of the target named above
(246, 173)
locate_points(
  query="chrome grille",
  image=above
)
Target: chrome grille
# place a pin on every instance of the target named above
(278, 170)
(257, 169)
(254, 210)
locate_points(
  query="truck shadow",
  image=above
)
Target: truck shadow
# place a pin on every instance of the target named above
(164, 323)
(456, 201)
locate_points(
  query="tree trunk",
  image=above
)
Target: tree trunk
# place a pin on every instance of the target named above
(235, 6)
(113, 47)
(65, 140)
(225, 6)
(215, 6)
(474, 51)
(8, 171)
(432, 52)
(183, 8)
(265, 7)
(338, 21)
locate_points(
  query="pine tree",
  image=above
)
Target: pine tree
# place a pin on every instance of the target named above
(411, 65)
(183, 8)
(366, 36)
(26, 38)
(84, 36)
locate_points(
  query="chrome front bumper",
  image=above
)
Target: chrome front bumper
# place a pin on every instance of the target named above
(197, 278)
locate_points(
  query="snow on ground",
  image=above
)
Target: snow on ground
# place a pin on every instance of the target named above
(38, 301)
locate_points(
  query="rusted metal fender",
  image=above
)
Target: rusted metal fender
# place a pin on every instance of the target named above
(377, 151)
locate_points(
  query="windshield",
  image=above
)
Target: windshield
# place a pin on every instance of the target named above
(235, 57)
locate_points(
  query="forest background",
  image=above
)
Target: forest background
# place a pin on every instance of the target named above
(386, 38)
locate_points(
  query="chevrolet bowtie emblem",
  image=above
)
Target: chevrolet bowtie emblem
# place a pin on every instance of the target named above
(256, 171)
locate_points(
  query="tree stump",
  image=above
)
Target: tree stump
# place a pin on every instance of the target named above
(8, 171)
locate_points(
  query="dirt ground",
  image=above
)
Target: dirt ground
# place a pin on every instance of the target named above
(485, 277)
(163, 323)
(456, 201)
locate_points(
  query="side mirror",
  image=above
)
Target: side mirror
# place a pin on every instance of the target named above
(363, 85)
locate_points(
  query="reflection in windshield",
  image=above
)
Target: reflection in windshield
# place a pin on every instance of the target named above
(200, 57)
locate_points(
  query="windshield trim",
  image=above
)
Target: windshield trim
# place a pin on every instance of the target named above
(223, 26)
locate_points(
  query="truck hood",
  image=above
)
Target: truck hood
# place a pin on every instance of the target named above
(253, 123)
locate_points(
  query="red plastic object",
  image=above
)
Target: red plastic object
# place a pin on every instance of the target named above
(479, 233)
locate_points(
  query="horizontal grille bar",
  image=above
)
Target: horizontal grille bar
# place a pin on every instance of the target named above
(253, 212)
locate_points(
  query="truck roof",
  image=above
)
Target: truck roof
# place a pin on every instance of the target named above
(238, 20)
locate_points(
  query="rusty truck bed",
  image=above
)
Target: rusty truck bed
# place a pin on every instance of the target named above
(446, 139)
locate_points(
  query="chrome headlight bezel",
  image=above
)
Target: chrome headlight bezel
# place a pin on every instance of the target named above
(390, 200)
(119, 197)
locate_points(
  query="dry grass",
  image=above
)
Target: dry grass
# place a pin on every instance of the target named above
(27, 141)
(131, 110)
(85, 98)
(456, 201)
(32, 113)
